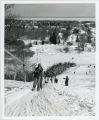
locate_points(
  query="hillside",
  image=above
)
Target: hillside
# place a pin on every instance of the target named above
(55, 99)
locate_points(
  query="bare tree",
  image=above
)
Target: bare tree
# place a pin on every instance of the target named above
(8, 13)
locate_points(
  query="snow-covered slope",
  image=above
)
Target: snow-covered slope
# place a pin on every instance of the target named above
(54, 99)
(48, 55)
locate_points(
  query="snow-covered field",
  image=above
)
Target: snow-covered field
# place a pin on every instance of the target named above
(52, 54)
(77, 99)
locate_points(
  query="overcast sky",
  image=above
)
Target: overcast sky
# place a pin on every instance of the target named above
(54, 10)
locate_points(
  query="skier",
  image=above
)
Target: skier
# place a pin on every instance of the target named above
(55, 80)
(72, 58)
(90, 65)
(35, 77)
(51, 80)
(66, 80)
(38, 77)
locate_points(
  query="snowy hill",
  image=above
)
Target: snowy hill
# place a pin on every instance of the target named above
(55, 99)
(76, 99)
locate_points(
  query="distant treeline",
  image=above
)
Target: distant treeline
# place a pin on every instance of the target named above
(39, 30)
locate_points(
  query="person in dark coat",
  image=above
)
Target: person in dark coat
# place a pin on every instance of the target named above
(35, 77)
(38, 77)
(66, 81)
(55, 80)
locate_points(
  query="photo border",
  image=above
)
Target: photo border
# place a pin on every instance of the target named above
(96, 117)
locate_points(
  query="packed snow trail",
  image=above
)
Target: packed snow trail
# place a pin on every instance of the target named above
(57, 99)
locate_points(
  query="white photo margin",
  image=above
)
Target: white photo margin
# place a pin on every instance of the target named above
(2, 61)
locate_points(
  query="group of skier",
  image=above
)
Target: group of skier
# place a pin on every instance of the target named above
(39, 75)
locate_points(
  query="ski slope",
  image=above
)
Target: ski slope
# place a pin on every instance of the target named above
(78, 99)
(48, 55)
(54, 99)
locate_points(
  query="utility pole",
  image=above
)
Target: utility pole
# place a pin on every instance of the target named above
(24, 72)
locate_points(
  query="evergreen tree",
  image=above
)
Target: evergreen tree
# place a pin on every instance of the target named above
(77, 39)
(53, 38)
(89, 35)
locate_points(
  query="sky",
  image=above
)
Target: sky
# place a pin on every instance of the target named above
(54, 10)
